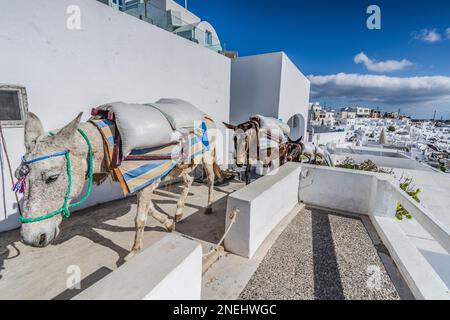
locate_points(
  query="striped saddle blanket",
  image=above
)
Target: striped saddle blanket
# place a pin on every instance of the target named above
(137, 172)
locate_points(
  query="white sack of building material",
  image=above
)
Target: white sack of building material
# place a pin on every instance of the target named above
(269, 123)
(141, 126)
(181, 114)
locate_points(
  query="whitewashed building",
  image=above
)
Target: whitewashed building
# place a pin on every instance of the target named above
(67, 56)
(270, 85)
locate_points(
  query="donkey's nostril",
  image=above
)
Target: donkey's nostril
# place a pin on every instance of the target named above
(42, 239)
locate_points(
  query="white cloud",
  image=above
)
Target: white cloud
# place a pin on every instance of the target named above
(381, 66)
(448, 33)
(381, 89)
(427, 35)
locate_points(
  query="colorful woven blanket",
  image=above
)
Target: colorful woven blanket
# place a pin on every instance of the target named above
(134, 175)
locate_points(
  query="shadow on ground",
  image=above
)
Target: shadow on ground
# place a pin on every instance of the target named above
(321, 256)
(327, 278)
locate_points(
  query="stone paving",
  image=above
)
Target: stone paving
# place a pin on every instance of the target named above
(321, 256)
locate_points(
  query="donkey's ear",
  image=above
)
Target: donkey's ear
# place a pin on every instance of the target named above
(65, 135)
(230, 126)
(299, 140)
(33, 130)
(289, 140)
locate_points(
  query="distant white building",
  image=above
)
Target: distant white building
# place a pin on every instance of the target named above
(347, 113)
(362, 112)
(171, 16)
(323, 135)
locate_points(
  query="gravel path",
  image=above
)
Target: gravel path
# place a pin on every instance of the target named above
(321, 256)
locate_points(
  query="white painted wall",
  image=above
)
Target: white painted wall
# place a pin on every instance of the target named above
(255, 86)
(270, 85)
(113, 57)
(294, 92)
(262, 205)
(340, 189)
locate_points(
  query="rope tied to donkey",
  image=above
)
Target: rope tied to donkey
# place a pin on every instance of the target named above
(233, 216)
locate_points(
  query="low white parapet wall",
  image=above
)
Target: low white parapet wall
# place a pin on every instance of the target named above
(345, 190)
(377, 196)
(171, 269)
(367, 193)
(262, 205)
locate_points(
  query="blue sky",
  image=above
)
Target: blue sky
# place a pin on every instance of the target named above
(404, 65)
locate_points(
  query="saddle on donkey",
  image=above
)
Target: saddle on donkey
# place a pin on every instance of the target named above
(272, 124)
(145, 142)
(271, 131)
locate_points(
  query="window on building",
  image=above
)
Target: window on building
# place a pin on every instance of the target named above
(13, 105)
(209, 39)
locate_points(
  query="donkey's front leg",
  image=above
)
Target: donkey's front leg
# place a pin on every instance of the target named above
(143, 205)
(188, 179)
(211, 177)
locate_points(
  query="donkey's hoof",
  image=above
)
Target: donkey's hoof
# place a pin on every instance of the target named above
(209, 210)
(171, 225)
(178, 217)
(131, 255)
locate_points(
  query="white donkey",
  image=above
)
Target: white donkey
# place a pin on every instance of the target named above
(53, 179)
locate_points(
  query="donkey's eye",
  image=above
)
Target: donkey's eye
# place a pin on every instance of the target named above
(51, 178)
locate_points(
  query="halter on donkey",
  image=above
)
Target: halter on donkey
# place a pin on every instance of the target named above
(65, 208)
(295, 150)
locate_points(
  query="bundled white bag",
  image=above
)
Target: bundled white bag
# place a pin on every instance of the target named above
(269, 123)
(181, 114)
(141, 126)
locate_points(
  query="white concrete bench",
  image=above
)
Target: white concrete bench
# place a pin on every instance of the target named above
(171, 269)
(262, 204)
(422, 279)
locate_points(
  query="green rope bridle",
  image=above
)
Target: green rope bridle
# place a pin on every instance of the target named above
(65, 208)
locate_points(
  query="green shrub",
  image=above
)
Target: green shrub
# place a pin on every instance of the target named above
(367, 165)
(406, 186)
